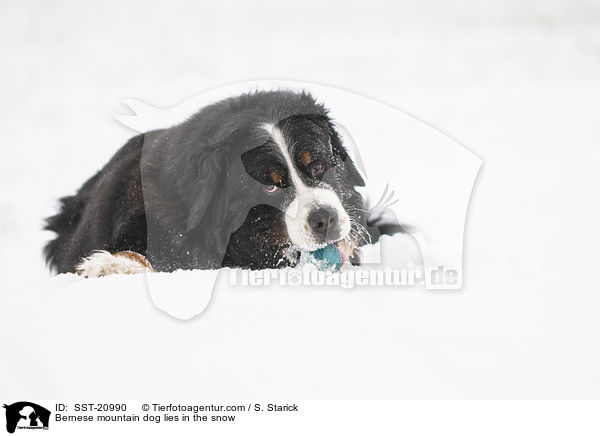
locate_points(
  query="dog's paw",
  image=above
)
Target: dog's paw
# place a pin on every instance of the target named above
(103, 263)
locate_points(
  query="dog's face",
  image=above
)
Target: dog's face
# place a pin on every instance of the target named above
(303, 193)
(256, 193)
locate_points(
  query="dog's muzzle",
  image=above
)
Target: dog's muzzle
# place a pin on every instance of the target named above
(324, 224)
(315, 218)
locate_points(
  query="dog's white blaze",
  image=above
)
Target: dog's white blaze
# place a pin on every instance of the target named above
(280, 141)
(296, 213)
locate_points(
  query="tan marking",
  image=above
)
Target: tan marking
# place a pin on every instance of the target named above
(276, 177)
(306, 158)
(135, 257)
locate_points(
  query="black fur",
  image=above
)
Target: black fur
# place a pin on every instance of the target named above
(193, 196)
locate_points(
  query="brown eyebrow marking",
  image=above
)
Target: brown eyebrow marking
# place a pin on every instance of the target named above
(306, 158)
(276, 177)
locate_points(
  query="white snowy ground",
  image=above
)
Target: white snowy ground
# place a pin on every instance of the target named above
(517, 82)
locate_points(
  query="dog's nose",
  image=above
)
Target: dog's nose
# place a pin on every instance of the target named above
(323, 221)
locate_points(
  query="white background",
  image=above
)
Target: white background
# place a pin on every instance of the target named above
(517, 82)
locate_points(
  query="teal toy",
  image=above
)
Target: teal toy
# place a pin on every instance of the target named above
(328, 257)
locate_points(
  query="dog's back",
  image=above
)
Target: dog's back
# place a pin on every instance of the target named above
(85, 223)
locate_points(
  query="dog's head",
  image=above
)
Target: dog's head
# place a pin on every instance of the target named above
(306, 174)
(274, 180)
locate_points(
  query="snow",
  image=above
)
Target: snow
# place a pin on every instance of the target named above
(516, 82)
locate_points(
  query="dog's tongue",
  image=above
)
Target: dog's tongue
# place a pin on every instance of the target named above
(342, 255)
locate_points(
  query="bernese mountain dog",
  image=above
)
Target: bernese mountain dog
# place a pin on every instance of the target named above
(251, 181)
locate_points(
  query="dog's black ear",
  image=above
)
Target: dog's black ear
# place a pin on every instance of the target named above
(217, 210)
(341, 154)
(204, 189)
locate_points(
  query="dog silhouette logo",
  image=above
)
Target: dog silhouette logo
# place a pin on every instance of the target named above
(26, 415)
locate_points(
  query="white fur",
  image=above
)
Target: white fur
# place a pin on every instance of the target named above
(296, 213)
(102, 263)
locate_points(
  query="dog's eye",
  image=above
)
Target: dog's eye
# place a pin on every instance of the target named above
(270, 189)
(317, 170)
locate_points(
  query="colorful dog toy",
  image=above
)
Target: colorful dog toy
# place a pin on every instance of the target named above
(328, 258)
